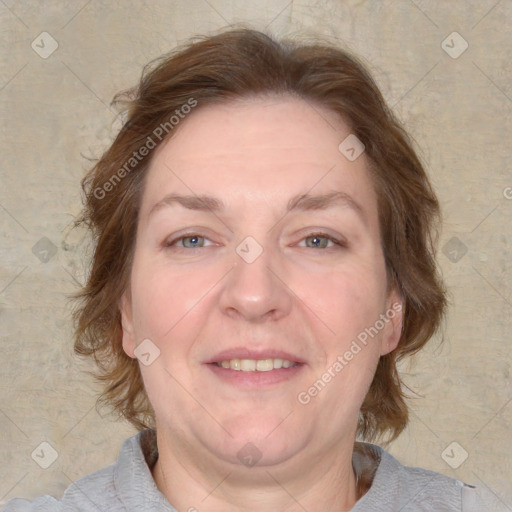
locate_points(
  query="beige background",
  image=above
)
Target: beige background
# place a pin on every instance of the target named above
(55, 115)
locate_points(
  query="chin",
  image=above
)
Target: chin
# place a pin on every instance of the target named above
(258, 441)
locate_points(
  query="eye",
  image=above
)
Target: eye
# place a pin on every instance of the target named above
(191, 241)
(320, 241)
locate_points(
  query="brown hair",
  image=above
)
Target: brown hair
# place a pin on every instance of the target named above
(236, 64)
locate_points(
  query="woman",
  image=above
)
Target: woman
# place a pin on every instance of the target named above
(265, 240)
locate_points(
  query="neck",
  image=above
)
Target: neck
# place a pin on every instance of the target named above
(196, 480)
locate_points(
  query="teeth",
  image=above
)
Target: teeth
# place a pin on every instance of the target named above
(248, 365)
(264, 365)
(256, 365)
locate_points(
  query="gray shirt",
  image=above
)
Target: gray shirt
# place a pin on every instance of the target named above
(128, 486)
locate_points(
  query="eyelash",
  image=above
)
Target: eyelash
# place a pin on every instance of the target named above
(174, 241)
(330, 238)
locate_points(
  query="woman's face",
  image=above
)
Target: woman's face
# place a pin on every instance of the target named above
(258, 240)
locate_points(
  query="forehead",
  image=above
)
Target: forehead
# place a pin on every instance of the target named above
(262, 149)
(242, 127)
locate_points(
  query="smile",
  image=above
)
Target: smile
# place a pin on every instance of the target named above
(255, 365)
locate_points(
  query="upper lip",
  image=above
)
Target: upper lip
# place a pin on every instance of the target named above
(251, 353)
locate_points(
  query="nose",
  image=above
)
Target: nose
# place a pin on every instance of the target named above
(256, 291)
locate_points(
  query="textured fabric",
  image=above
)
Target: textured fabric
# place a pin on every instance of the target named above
(128, 486)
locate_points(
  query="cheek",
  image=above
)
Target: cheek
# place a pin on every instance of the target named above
(160, 299)
(168, 299)
(346, 299)
(347, 302)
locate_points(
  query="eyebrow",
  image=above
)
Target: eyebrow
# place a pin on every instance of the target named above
(199, 203)
(300, 202)
(306, 202)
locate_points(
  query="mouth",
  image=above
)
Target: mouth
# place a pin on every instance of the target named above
(247, 369)
(256, 365)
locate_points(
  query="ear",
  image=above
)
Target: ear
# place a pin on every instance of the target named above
(125, 307)
(394, 321)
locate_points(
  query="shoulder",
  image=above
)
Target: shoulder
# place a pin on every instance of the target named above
(42, 504)
(90, 493)
(97, 491)
(413, 489)
(125, 485)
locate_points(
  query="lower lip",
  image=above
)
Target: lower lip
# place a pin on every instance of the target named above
(254, 380)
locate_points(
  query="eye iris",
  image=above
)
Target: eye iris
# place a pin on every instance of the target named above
(193, 241)
(317, 241)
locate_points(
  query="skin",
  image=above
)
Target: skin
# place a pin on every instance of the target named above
(254, 155)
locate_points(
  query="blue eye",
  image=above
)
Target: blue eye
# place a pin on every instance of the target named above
(317, 242)
(320, 241)
(190, 242)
